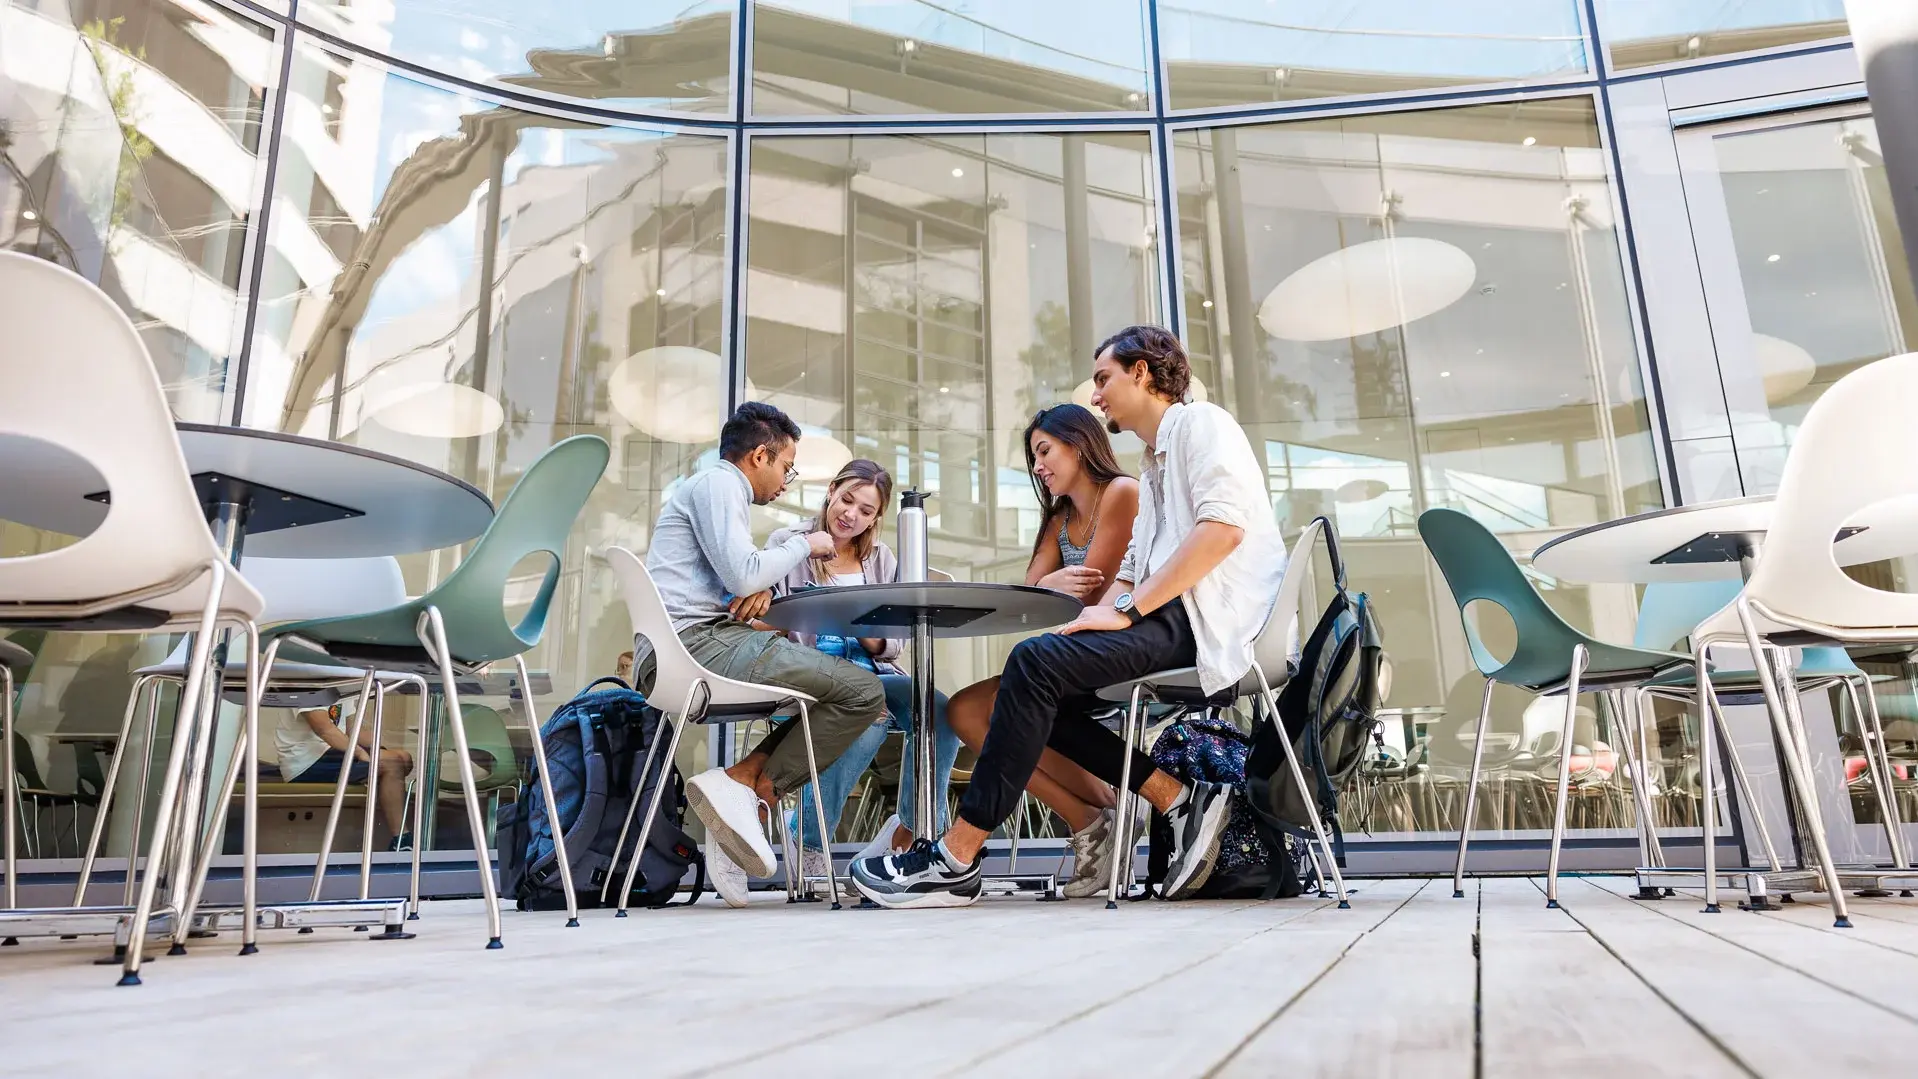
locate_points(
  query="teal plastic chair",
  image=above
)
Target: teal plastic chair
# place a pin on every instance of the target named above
(461, 626)
(1668, 614)
(1550, 657)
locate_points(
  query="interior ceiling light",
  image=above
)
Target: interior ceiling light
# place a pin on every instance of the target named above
(1367, 287)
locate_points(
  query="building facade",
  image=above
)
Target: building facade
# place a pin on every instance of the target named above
(1548, 263)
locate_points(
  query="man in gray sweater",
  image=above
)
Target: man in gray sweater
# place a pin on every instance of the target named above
(710, 575)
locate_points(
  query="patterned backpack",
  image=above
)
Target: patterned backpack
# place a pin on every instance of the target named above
(1211, 748)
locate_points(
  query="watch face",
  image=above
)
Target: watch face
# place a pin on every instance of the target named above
(1123, 603)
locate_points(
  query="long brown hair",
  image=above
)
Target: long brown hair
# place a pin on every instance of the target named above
(857, 470)
(1076, 426)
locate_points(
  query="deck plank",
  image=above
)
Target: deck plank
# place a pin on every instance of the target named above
(1399, 1003)
(1552, 999)
(1771, 1019)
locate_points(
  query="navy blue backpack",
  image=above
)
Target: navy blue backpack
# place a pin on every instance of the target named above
(595, 745)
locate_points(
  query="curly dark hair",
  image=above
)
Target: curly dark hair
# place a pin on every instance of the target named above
(1159, 350)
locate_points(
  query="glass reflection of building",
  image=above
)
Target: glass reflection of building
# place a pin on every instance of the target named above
(1390, 233)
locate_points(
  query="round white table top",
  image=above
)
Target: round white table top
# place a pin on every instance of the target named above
(1700, 542)
(364, 503)
(957, 609)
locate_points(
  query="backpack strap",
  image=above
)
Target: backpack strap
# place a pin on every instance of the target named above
(597, 682)
(699, 880)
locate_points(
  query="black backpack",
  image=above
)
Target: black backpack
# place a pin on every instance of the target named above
(595, 745)
(1328, 711)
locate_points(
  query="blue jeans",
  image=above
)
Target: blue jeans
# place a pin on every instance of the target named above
(836, 782)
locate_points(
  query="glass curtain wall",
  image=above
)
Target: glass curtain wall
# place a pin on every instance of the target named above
(1427, 309)
(458, 233)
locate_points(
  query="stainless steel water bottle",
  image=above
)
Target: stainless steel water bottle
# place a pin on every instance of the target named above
(912, 536)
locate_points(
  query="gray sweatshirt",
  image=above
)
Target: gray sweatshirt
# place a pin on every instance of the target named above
(702, 551)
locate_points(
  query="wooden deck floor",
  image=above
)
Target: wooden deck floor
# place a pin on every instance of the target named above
(1409, 982)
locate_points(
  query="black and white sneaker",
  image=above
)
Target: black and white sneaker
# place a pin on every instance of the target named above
(920, 876)
(1196, 828)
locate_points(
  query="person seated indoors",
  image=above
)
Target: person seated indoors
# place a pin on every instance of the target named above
(1193, 589)
(1086, 504)
(312, 748)
(709, 572)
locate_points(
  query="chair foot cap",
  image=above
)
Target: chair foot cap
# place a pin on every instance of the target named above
(1345, 904)
(394, 932)
(306, 931)
(249, 949)
(10, 942)
(572, 923)
(359, 929)
(1842, 923)
(128, 979)
(494, 945)
(837, 906)
(620, 913)
(1710, 908)
(1669, 893)
(413, 917)
(177, 949)
(1110, 905)
(1551, 904)
(1458, 893)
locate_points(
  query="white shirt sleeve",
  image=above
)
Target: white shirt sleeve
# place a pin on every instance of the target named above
(1222, 472)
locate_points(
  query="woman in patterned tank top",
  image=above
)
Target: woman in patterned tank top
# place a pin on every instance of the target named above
(1087, 504)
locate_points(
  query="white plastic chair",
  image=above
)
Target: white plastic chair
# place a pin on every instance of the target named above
(705, 697)
(80, 387)
(1853, 451)
(292, 589)
(1271, 654)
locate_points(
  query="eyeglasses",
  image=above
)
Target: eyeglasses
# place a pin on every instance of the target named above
(792, 475)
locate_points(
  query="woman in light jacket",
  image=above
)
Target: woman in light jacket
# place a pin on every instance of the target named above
(855, 504)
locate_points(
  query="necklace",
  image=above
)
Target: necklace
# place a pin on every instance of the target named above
(1092, 528)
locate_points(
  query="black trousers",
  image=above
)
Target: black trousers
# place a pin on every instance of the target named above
(1046, 699)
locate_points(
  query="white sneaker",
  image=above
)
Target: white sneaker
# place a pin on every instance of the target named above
(730, 811)
(815, 865)
(881, 844)
(1091, 857)
(727, 879)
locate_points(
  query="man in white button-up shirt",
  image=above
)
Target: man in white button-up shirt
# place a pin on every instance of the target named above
(1194, 588)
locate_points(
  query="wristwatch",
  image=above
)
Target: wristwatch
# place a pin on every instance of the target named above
(1124, 606)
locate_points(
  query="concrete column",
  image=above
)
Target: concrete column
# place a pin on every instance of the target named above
(1885, 32)
(1085, 331)
(1241, 310)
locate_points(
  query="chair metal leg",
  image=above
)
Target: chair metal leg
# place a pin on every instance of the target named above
(421, 796)
(259, 669)
(1708, 729)
(546, 793)
(819, 810)
(632, 809)
(1471, 790)
(12, 808)
(179, 874)
(152, 722)
(1311, 805)
(1638, 766)
(1781, 710)
(339, 788)
(197, 675)
(1741, 780)
(680, 723)
(432, 633)
(372, 787)
(1875, 739)
(1564, 773)
(1018, 825)
(1125, 805)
